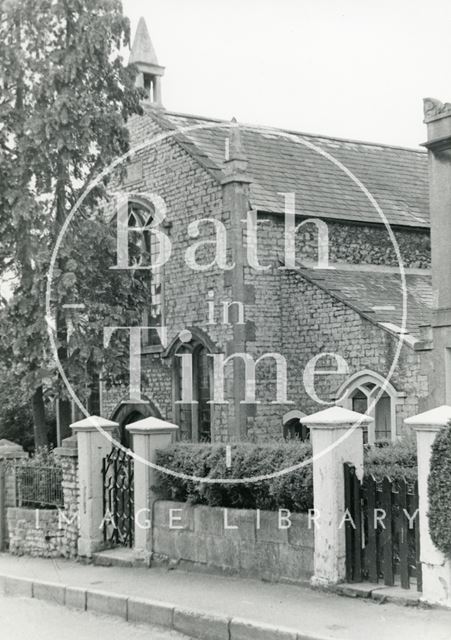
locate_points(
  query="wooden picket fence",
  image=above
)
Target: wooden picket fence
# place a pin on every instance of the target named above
(382, 531)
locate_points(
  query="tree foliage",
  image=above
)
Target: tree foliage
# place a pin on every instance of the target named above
(65, 97)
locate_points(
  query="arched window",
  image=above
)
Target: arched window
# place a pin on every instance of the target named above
(194, 418)
(368, 392)
(144, 250)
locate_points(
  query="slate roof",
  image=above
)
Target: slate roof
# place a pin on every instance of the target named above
(283, 161)
(377, 294)
(286, 161)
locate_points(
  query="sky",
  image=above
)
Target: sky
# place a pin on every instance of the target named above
(348, 68)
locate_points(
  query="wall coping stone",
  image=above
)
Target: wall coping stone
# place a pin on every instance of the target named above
(10, 444)
(150, 426)
(432, 420)
(11, 454)
(94, 423)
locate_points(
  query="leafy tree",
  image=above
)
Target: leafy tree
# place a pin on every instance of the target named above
(65, 97)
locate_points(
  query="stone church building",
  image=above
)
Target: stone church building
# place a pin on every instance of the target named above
(346, 302)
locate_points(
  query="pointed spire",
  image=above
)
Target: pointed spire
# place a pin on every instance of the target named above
(142, 49)
(144, 57)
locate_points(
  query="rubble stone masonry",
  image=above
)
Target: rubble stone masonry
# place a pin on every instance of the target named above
(284, 313)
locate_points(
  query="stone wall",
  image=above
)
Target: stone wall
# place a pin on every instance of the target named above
(190, 192)
(35, 532)
(10, 454)
(69, 514)
(316, 322)
(257, 548)
(283, 313)
(349, 243)
(48, 533)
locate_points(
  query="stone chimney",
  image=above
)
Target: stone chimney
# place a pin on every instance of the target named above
(144, 57)
(437, 117)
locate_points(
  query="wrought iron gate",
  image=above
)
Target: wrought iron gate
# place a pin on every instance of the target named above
(118, 498)
(382, 531)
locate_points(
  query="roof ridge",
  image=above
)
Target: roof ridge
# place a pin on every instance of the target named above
(304, 134)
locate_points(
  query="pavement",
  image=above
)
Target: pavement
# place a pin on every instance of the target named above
(213, 607)
(24, 619)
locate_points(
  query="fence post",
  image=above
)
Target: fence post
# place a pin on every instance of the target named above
(93, 445)
(336, 436)
(149, 435)
(436, 567)
(10, 453)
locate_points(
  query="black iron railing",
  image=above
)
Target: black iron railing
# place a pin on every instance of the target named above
(39, 486)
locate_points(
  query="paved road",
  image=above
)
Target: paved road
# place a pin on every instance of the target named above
(25, 619)
(312, 612)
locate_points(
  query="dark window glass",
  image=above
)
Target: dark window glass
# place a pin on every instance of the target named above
(383, 418)
(203, 394)
(360, 404)
(195, 418)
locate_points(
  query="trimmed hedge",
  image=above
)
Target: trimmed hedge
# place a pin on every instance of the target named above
(393, 459)
(293, 491)
(439, 491)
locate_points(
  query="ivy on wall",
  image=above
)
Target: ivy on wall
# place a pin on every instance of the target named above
(439, 492)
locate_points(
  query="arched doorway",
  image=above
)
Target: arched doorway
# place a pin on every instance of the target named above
(293, 429)
(128, 412)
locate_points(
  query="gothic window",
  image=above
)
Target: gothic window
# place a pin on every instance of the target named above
(144, 250)
(367, 393)
(194, 418)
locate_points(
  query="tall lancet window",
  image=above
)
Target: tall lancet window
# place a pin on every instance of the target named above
(144, 249)
(194, 418)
